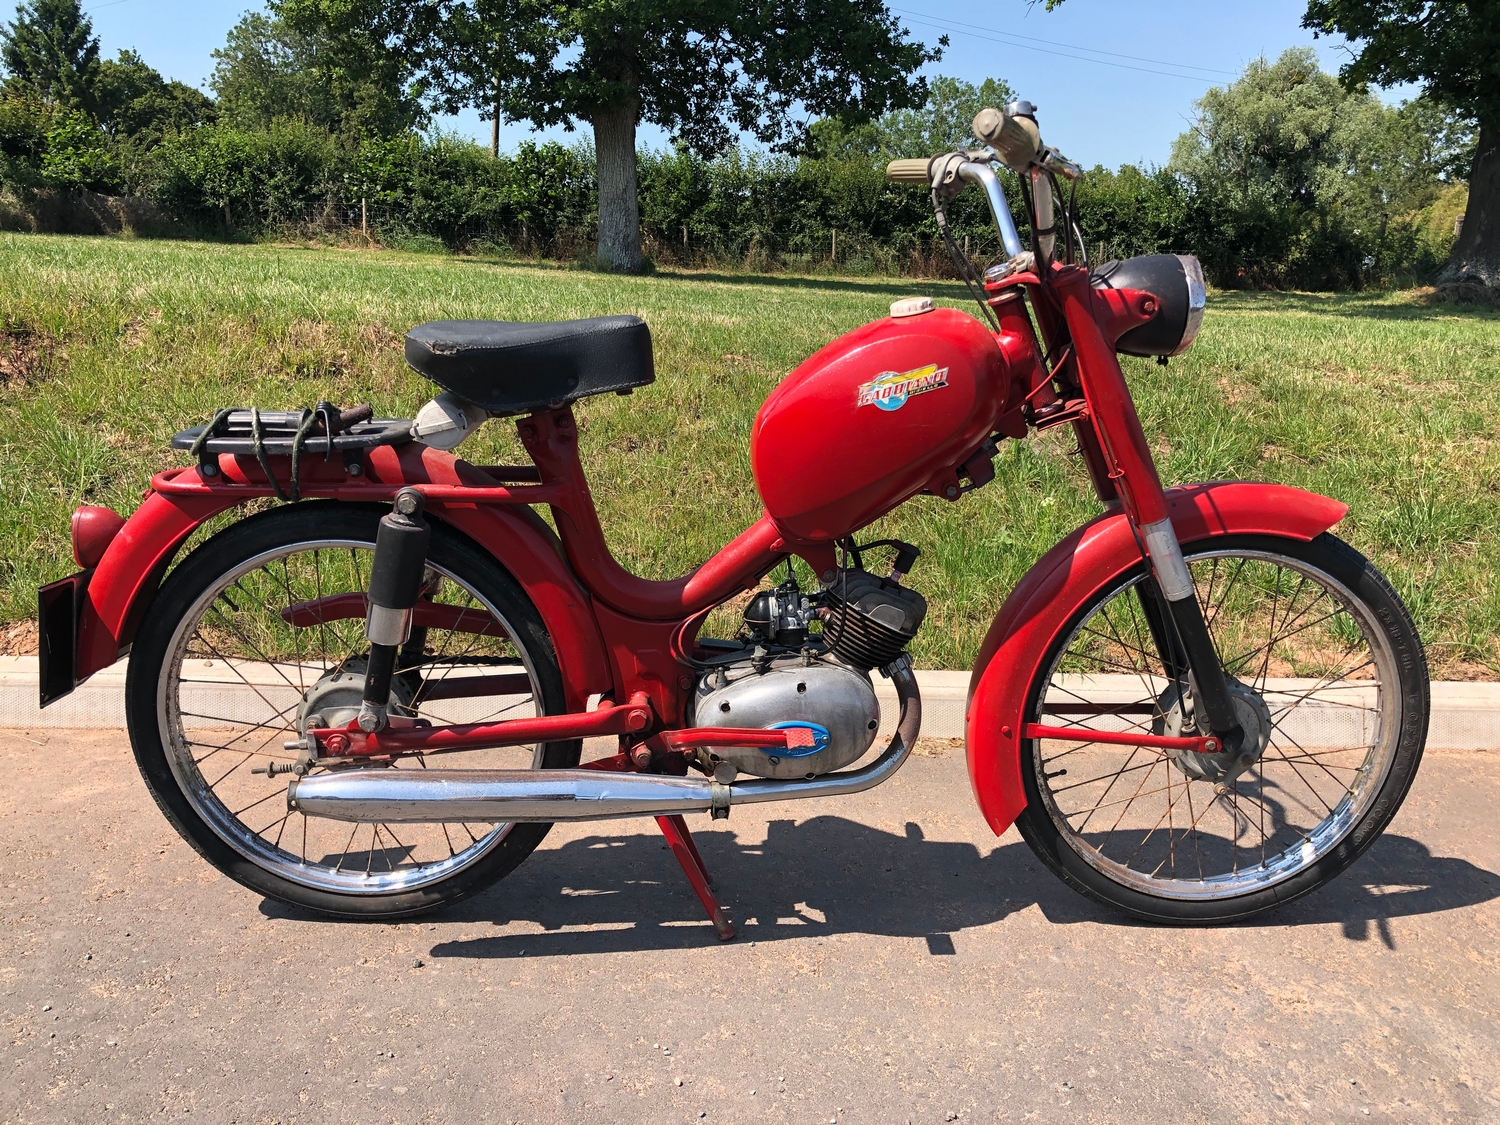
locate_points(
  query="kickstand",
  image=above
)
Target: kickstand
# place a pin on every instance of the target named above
(675, 829)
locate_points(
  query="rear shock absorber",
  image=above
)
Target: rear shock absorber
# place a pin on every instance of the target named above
(395, 586)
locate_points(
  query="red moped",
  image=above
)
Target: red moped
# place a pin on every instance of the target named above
(372, 700)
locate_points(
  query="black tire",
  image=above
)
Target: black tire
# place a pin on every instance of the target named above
(1081, 864)
(281, 529)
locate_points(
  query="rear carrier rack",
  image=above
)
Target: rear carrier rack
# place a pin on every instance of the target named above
(279, 431)
(323, 430)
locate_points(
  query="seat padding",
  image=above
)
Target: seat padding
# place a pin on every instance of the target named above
(511, 368)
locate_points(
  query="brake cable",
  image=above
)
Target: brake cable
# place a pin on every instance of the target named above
(971, 280)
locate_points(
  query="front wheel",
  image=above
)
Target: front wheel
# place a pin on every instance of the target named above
(1328, 675)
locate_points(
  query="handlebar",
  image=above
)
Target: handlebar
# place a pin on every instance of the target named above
(984, 176)
(940, 170)
(909, 171)
(1016, 142)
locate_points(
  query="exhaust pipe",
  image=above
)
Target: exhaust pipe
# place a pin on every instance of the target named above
(492, 796)
(486, 796)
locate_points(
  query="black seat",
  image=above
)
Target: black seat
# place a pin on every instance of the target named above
(512, 368)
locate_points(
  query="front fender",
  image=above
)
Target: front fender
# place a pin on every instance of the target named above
(1045, 600)
(121, 588)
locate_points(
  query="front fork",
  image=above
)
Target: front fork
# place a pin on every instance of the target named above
(1176, 618)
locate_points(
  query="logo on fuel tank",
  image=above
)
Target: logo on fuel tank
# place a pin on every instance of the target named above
(890, 390)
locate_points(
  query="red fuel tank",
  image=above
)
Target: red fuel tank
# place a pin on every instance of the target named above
(869, 419)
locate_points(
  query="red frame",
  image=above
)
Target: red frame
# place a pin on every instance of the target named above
(625, 638)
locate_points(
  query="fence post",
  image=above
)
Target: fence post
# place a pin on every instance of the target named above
(833, 250)
(364, 218)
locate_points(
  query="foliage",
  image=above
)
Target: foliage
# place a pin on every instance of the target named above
(700, 70)
(1287, 179)
(245, 177)
(77, 155)
(46, 145)
(50, 52)
(136, 102)
(24, 124)
(344, 82)
(1305, 183)
(1452, 47)
(940, 124)
(1130, 212)
(451, 189)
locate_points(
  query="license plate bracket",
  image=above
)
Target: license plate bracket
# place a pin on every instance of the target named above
(57, 605)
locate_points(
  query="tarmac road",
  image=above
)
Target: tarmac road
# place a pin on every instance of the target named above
(902, 965)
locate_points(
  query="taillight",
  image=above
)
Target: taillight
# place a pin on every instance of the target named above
(94, 529)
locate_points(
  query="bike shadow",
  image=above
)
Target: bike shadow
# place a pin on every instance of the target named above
(829, 875)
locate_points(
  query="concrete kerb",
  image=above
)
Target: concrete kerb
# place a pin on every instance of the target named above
(1465, 716)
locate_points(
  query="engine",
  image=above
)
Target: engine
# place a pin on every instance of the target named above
(805, 661)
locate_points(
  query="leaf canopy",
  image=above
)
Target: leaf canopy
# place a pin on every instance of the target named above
(702, 69)
(1452, 47)
(51, 52)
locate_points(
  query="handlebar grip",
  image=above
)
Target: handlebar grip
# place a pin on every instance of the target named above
(1016, 140)
(909, 171)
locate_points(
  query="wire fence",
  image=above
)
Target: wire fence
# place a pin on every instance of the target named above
(815, 250)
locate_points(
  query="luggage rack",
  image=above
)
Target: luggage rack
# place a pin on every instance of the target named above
(324, 429)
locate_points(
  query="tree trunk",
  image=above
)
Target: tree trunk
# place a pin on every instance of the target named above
(619, 206)
(495, 125)
(1473, 270)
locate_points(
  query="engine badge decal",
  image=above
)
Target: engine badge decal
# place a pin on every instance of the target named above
(889, 391)
(814, 739)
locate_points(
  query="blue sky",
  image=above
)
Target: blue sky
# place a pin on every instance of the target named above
(1114, 80)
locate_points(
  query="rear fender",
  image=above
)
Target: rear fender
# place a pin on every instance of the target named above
(129, 572)
(121, 588)
(1063, 579)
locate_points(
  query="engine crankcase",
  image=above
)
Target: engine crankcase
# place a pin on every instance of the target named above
(823, 694)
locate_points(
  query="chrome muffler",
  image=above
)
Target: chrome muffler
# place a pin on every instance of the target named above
(485, 796)
(492, 796)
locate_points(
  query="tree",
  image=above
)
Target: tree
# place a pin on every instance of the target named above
(940, 124)
(51, 52)
(1452, 47)
(268, 69)
(135, 102)
(1303, 180)
(702, 69)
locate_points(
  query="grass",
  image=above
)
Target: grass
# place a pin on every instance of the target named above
(111, 345)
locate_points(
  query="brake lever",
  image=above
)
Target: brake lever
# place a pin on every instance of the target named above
(1058, 164)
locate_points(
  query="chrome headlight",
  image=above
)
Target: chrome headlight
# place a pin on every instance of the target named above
(1197, 300)
(1176, 281)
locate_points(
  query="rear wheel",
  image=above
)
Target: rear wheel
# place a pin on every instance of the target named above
(1328, 676)
(230, 663)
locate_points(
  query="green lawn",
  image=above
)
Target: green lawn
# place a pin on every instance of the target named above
(109, 346)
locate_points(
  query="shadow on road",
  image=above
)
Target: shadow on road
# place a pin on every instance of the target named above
(830, 875)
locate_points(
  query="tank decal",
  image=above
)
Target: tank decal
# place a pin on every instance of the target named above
(891, 389)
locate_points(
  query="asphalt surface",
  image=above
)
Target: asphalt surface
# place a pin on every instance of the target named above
(902, 965)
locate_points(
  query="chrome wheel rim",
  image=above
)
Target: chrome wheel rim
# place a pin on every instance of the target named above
(1134, 816)
(229, 693)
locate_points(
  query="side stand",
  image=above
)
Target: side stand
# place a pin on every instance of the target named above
(675, 829)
